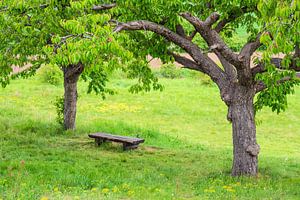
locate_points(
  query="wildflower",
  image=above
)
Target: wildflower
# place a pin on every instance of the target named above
(230, 190)
(130, 193)
(125, 186)
(94, 189)
(115, 189)
(210, 190)
(227, 187)
(44, 198)
(105, 190)
(56, 189)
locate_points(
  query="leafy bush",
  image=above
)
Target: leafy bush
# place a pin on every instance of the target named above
(59, 104)
(50, 74)
(170, 71)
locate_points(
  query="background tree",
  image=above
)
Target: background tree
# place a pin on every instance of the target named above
(273, 27)
(75, 36)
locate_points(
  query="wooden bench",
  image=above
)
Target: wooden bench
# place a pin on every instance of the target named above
(128, 142)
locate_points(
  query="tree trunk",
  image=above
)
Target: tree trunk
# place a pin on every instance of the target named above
(71, 76)
(245, 148)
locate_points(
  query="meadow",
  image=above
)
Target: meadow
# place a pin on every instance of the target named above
(187, 153)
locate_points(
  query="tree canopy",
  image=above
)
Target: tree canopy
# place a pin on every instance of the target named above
(65, 33)
(272, 19)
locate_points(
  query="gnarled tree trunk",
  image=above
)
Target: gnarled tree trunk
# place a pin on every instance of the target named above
(71, 76)
(245, 148)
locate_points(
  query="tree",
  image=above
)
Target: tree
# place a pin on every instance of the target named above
(75, 36)
(273, 27)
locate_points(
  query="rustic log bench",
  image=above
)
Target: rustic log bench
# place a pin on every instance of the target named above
(128, 142)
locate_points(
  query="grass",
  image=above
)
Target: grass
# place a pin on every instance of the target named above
(187, 153)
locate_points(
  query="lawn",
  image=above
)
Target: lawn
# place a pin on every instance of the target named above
(187, 153)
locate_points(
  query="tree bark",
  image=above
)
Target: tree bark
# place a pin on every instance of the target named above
(71, 76)
(245, 148)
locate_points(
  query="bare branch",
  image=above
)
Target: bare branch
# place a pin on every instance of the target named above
(229, 68)
(193, 34)
(180, 31)
(250, 48)
(213, 18)
(212, 38)
(187, 63)
(104, 7)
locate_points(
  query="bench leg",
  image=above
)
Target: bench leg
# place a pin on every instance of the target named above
(99, 141)
(127, 146)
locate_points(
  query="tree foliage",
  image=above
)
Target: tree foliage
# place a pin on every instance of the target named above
(282, 20)
(66, 33)
(277, 20)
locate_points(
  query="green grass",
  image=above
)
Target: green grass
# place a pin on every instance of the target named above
(187, 153)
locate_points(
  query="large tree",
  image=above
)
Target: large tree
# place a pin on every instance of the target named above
(273, 27)
(73, 35)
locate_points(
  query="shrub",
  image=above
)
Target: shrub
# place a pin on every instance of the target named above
(170, 71)
(59, 105)
(50, 74)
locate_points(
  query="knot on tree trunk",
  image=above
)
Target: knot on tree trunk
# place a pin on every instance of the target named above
(229, 114)
(253, 149)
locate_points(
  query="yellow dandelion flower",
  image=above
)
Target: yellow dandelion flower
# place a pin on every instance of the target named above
(227, 187)
(210, 190)
(56, 189)
(230, 190)
(94, 189)
(44, 198)
(130, 193)
(105, 190)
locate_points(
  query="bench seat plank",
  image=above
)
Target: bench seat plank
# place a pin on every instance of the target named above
(117, 138)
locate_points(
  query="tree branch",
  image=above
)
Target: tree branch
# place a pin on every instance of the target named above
(104, 7)
(211, 37)
(260, 68)
(213, 18)
(206, 64)
(229, 69)
(187, 63)
(250, 48)
(180, 31)
(73, 69)
(260, 86)
(233, 15)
